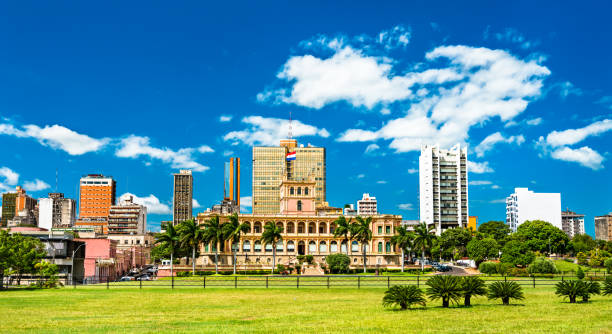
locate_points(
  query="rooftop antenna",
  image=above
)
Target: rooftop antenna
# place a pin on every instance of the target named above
(290, 126)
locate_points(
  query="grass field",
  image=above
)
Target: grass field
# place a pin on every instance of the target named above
(154, 310)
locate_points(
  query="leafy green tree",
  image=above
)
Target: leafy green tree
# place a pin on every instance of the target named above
(454, 241)
(445, 287)
(582, 243)
(213, 234)
(402, 239)
(579, 273)
(233, 231)
(608, 265)
(581, 258)
(542, 237)
(472, 286)
(607, 288)
(481, 250)
(362, 232)
(338, 263)
(171, 240)
(344, 230)
(48, 274)
(570, 289)
(505, 291)
(423, 240)
(488, 268)
(542, 265)
(497, 230)
(25, 253)
(517, 253)
(272, 234)
(403, 296)
(190, 236)
(5, 254)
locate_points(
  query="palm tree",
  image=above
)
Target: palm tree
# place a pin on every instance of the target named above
(404, 296)
(233, 230)
(424, 240)
(506, 291)
(171, 239)
(343, 229)
(362, 232)
(472, 286)
(213, 233)
(272, 234)
(590, 288)
(607, 289)
(445, 287)
(402, 239)
(190, 235)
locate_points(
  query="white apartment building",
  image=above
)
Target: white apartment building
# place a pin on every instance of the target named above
(367, 206)
(443, 187)
(524, 205)
(127, 218)
(56, 211)
(349, 210)
(573, 223)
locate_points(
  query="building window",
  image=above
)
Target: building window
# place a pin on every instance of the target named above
(333, 247)
(299, 191)
(322, 247)
(291, 191)
(388, 229)
(388, 247)
(279, 246)
(290, 247)
(306, 191)
(355, 246)
(380, 245)
(380, 230)
(312, 247)
(299, 205)
(257, 246)
(246, 246)
(268, 247)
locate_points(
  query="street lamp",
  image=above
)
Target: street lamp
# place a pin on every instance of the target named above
(72, 267)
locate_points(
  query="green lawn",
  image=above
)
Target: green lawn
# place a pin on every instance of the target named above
(153, 310)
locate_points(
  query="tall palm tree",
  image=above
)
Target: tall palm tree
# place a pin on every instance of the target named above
(402, 239)
(362, 232)
(171, 239)
(272, 234)
(190, 235)
(424, 240)
(233, 230)
(213, 233)
(343, 229)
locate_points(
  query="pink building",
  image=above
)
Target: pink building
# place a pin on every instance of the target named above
(101, 259)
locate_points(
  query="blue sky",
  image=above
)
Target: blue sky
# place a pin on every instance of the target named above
(139, 92)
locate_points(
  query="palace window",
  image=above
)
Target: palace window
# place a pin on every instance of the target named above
(257, 246)
(306, 191)
(299, 190)
(355, 246)
(380, 247)
(380, 230)
(322, 247)
(388, 247)
(312, 247)
(299, 205)
(246, 246)
(291, 191)
(388, 229)
(333, 247)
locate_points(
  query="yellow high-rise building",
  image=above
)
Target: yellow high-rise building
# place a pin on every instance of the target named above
(269, 165)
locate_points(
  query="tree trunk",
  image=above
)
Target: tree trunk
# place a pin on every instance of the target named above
(364, 258)
(444, 302)
(572, 299)
(347, 247)
(234, 262)
(506, 300)
(193, 261)
(410, 255)
(467, 301)
(273, 258)
(172, 263)
(217, 261)
(423, 260)
(402, 260)
(585, 298)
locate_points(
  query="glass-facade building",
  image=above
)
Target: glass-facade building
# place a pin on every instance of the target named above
(269, 165)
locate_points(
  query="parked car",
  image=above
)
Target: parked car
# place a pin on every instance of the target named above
(126, 278)
(144, 278)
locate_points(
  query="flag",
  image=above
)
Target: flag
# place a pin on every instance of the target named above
(291, 156)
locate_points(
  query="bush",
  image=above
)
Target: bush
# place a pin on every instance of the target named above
(503, 268)
(518, 272)
(505, 291)
(580, 273)
(582, 258)
(301, 258)
(608, 265)
(570, 289)
(183, 274)
(488, 268)
(280, 268)
(403, 296)
(542, 265)
(338, 263)
(607, 288)
(445, 287)
(310, 259)
(298, 268)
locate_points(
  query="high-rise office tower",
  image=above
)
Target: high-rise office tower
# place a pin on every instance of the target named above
(182, 204)
(232, 181)
(299, 163)
(8, 207)
(524, 205)
(443, 184)
(127, 218)
(96, 195)
(18, 208)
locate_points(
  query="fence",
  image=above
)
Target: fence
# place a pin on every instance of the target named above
(284, 281)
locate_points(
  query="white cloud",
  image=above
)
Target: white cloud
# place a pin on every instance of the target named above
(495, 201)
(534, 121)
(205, 149)
(195, 204)
(269, 131)
(225, 118)
(479, 183)
(495, 186)
(406, 206)
(494, 84)
(479, 167)
(513, 36)
(371, 148)
(153, 204)
(606, 101)
(246, 203)
(136, 146)
(584, 156)
(566, 89)
(10, 176)
(36, 185)
(57, 137)
(412, 170)
(227, 153)
(490, 141)
(381, 182)
(574, 136)
(360, 176)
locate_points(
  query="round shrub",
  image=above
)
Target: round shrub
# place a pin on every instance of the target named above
(488, 268)
(338, 263)
(542, 265)
(608, 265)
